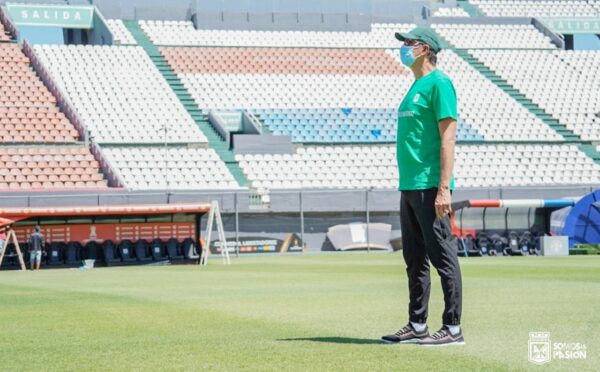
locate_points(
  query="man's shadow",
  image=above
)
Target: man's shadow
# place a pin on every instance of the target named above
(335, 340)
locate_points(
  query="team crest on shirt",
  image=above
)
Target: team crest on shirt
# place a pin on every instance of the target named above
(416, 98)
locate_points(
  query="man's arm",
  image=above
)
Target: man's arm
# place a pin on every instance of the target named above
(447, 128)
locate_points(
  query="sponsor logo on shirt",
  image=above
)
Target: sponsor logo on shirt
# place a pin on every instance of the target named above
(404, 114)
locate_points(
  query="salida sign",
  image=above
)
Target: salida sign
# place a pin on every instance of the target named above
(51, 15)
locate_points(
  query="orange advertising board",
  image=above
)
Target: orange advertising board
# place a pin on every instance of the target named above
(116, 232)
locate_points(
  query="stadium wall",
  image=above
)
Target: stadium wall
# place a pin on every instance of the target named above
(282, 201)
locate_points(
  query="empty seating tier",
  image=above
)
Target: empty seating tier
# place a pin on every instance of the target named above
(282, 61)
(184, 33)
(488, 109)
(350, 125)
(376, 166)
(48, 167)
(148, 168)
(28, 111)
(119, 94)
(566, 87)
(450, 12)
(342, 95)
(518, 36)
(251, 91)
(120, 33)
(537, 8)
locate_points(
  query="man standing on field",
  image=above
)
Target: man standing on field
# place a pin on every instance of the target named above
(36, 245)
(425, 152)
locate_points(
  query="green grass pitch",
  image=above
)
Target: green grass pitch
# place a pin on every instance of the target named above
(292, 313)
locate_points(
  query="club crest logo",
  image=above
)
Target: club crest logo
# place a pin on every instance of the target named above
(416, 98)
(539, 347)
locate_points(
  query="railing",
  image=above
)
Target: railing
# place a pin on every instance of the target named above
(255, 121)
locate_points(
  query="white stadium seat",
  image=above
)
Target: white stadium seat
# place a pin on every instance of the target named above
(567, 87)
(521, 36)
(482, 165)
(119, 94)
(151, 168)
(538, 8)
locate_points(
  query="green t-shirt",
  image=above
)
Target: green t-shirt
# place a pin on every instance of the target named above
(429, 100)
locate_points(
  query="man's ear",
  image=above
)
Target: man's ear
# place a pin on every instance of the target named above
(425, 49)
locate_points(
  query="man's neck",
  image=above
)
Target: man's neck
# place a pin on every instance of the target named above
(422, 68)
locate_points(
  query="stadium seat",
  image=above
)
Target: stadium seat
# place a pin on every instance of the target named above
(49, 167)
(158, 251)
(122, 36)
(481, 165)
(110, 253)
(143, 168)
(173, 250)
(119, 95)
(141, 251)
(450, 12)
(73, 253)
(126, 251)
(514, 248)
(28, 110)
(55, 255)
(516, 36)
(527, 243)
(189, 250)
(184, 33)
(538, 9)
(92, 251)
(483, 243)
(499, 245)
(566, 88)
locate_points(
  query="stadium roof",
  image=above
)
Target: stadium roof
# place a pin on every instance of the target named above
(11, 215)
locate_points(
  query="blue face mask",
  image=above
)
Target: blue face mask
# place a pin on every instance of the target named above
(406, 55)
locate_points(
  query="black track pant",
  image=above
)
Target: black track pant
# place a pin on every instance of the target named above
(427, 238)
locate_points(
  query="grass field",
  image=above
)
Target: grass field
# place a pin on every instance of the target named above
(315, 313)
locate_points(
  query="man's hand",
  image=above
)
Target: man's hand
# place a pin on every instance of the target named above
(443, 200)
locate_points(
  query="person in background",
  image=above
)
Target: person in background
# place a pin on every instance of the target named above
(36, 245)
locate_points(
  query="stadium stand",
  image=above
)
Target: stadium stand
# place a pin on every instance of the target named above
(476, 91)
(29, 115)
(144, 168)
(567, 86)
(184, 33)
(450, 12)
(48, 167)
(537, 8)
(28, 111)
(284, 76)
(518, 36)
(375, 166)
(119, 94)
(121, 35)
(340, 95)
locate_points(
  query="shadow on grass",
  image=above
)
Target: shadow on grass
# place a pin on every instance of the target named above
(335, 340)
